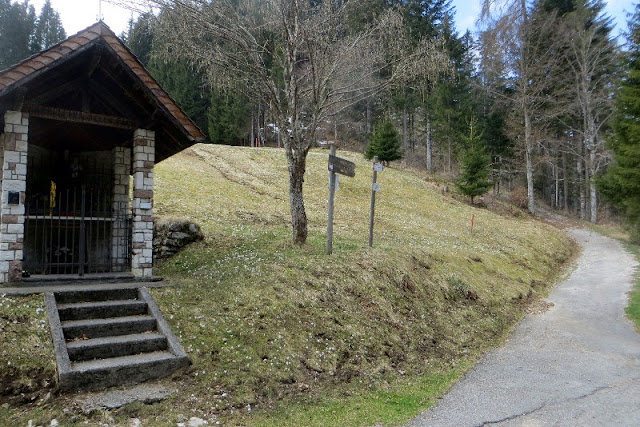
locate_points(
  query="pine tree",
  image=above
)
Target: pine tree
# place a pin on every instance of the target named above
(385, 143)
(48, 30)
(17, 23)
(621, 184)
(184, 82)
(474, 177)
(140, 37)
(227, 117)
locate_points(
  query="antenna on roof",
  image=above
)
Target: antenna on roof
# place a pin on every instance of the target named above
(100, 17)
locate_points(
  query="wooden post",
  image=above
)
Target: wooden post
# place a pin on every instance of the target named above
(332, 191)
(373, 201)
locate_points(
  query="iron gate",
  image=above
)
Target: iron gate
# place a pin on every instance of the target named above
(77, 231)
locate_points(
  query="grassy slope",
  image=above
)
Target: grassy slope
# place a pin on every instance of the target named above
(374, 334)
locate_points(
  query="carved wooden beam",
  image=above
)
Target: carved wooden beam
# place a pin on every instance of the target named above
(72, 116)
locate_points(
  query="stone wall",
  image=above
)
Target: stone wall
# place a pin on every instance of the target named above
(14, 146)
(119, 226)
(142, 243)
(172, 235)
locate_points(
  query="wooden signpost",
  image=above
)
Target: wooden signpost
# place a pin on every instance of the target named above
(340, 166)
(377, 167)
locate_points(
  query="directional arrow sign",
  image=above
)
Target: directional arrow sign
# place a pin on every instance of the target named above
(341, 166)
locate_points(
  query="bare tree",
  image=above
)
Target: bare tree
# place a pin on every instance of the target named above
(592, 58)
(519, 54)
(300, 58)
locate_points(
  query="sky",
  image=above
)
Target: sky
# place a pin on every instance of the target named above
(79, 14)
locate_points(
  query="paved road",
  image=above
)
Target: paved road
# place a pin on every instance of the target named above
(578, 364)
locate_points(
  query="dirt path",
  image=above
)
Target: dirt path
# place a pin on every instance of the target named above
(577, 364)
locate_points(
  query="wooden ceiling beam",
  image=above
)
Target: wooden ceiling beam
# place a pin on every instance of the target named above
(109, 99)
(72, 116)
(57, 91)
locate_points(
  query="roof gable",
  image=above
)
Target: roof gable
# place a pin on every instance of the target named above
(96, 61)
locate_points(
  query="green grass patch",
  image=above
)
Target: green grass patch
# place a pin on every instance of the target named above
(286, 335)
(388, 407)
(633, 309)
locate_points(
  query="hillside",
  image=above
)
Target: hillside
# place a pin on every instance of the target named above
(280, 334)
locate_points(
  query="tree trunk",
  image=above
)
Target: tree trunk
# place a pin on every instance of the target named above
(368, 123)
(449, 149)
(412, 130)
(429, 143)
(529, 161)
(253, 128)
(593, 192)
(580, 183)
(405, 134)
(590, 162)
(296, 162)
(556, 178)
(565, 184)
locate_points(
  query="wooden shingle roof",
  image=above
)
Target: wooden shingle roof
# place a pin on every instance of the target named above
(122, 76)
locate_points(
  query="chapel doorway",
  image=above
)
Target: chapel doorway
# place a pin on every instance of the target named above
(73, 222)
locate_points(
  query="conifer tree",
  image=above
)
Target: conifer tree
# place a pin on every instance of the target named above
(48, 30)
(385, 143)
(621, 184)
(17, 23)
(474, 176)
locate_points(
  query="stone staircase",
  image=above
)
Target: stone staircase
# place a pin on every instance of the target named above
(110, 337)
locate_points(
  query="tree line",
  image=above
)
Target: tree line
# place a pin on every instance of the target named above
(23, 33)
(533, 101)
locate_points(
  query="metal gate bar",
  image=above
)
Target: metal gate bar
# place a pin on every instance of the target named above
(80, 231)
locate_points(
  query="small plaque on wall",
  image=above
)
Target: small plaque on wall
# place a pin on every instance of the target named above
(14, 198)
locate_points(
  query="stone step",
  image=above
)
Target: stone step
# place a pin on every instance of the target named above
(100, 342)
(115, 346)
(101, 309)
(97, 328)
(96, 295)
(118, 371)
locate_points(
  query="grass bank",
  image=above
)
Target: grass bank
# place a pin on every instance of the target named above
(287, 335)
(633, 309)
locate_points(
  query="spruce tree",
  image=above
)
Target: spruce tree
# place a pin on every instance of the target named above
(17, 23)
(385, 143)
(48, 30)
(474, 177)
(621, 183)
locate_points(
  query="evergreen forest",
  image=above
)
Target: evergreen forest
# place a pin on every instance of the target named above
(542, 101)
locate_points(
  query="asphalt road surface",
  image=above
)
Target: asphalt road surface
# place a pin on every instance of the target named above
(577, 364)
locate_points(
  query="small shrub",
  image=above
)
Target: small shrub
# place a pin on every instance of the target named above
(519, 197)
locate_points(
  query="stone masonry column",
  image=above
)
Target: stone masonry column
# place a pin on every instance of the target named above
(14, 145)
(143, 161)
(119, 228)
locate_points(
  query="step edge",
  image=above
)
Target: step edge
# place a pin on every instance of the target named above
(57, 335)
(161, 324)
(106, 320)
(106, 303)
(130, 361)
(113, 339)
(75, 380)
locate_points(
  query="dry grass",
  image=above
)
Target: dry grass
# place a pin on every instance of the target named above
(283, 335)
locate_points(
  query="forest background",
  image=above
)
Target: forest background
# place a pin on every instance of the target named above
(532, 93)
